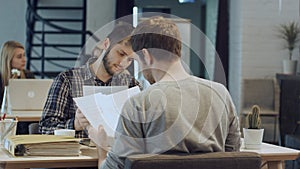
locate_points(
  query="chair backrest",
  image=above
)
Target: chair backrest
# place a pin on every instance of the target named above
(216, 160)
(263, 92)
(33, 128)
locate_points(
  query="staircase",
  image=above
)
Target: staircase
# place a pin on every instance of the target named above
(55, 35)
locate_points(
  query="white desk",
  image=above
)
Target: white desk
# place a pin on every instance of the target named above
(88, 158)
(272, 154)
(275, 155)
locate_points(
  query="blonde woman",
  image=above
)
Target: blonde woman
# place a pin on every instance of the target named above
(13, 62)
(13, 59)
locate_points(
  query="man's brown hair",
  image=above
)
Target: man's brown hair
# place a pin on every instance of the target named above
(157, 34)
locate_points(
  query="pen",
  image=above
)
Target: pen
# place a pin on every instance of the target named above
(4, 116)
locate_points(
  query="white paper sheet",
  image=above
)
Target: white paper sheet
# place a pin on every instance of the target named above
(105, 109)
(88, 90)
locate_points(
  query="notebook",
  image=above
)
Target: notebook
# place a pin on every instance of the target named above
(27, 94)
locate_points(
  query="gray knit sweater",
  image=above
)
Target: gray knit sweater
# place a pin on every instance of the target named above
(188, 116)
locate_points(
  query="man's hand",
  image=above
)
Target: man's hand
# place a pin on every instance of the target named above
(99, 137)
(80, 122)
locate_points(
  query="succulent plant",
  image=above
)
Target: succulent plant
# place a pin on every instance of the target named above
(254, 118)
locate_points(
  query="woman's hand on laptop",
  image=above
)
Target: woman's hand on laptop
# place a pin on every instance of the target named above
(80, 122)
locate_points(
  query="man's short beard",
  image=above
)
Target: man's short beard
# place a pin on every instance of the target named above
(106, 65)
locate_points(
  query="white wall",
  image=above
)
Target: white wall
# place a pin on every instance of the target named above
(255, 51)
(235, 50)
(262, 52)
(12, 21)
(211, 33)
(99, 13)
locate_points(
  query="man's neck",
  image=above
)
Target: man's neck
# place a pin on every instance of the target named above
(174, 72)
(99, 70)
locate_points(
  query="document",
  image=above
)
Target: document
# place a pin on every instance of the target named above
(105, 109)
(88, 90)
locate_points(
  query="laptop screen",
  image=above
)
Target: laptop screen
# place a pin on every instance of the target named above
(27, 94)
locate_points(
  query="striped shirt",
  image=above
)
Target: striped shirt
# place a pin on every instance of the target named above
(59, 110)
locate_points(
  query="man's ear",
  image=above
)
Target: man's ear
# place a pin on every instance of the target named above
(101, 47)
(147, 57)
(106, 43)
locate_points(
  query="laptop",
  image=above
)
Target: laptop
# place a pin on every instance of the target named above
(27, 94)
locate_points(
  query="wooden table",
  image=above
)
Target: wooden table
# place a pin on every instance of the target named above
(26, 116)
(274, 155)
(88, 158)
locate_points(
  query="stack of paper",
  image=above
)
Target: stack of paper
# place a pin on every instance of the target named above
(42, 145)
(105, 109)
(53, 149)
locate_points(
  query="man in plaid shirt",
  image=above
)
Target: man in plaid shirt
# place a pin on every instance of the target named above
(109, 69)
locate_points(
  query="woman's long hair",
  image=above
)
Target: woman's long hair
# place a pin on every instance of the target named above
(7, 54)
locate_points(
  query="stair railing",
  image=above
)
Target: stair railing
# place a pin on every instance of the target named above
(32, 17)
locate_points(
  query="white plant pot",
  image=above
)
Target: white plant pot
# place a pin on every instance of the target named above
(253, 138)
(289, 67)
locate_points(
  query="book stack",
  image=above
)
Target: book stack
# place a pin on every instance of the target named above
(42, 145)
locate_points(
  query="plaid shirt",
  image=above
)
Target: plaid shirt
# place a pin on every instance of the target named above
(59, 110)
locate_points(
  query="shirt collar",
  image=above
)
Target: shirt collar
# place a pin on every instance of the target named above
(89, 73)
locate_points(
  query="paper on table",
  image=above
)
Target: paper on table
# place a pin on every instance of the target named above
(104, 109)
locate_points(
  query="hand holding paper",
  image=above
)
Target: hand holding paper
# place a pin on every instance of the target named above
(100, 109)
(98, 136)
(80, 122)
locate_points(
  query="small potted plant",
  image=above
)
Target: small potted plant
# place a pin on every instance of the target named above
(289, 33)
(253, 135)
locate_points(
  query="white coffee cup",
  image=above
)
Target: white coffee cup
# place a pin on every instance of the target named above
(64, 132)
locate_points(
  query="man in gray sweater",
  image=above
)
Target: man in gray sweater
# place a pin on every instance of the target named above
(178, 113)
